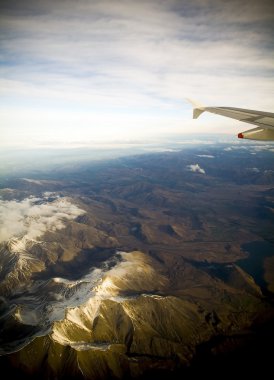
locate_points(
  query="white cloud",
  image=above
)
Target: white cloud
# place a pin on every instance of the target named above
(263, 147)
(32, 217)
(205, 155)
(255, 170)
(35, 181)
(196, 168)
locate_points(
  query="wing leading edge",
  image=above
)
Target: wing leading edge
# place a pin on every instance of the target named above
(263, 120)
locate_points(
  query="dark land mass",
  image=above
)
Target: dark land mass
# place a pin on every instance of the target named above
(168, 272)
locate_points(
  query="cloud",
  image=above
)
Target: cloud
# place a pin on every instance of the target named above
(205, 155)
(263, 147)
(95, 62)
(195, 168)
(32, 217)
(35, 181)
(250, 146)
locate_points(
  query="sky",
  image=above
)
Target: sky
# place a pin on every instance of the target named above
(77, 72)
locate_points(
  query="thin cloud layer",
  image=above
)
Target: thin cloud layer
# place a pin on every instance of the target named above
(32, 217)
(93, 67)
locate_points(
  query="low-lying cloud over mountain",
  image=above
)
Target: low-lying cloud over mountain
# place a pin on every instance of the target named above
(32, 217)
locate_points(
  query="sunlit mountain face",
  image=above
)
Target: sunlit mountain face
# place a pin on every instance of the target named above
(147, 266)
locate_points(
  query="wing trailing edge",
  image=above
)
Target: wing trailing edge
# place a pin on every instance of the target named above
(263, 120)
(257, 134)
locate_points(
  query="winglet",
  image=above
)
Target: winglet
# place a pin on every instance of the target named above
(198, 108)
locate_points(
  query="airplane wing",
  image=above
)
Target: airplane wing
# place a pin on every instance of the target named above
(263, 120)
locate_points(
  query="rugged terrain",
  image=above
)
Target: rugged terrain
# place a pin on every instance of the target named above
(158, 264)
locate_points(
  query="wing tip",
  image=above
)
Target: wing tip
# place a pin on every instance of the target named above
(240, 136)
(198, 108)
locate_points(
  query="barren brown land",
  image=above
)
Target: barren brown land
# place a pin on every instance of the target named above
(140, 267)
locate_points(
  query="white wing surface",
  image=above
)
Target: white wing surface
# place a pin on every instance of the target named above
(263, 120)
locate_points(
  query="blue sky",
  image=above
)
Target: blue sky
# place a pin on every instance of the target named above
(75, 72)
